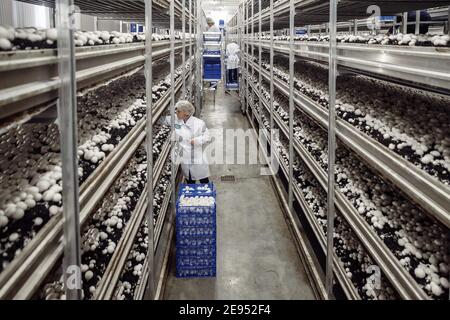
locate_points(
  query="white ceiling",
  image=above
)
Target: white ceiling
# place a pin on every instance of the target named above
(220, 9)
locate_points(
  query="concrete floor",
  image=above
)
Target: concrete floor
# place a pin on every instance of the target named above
(256, 256)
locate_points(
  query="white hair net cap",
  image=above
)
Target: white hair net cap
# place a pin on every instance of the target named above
(232, 48)
(186, 106)
(210, 20)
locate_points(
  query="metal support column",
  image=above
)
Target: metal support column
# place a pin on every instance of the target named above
(291, 104)
(260, 54)
(253, 36)
(190, 46)
(405, 23)
(67, 119)
(331, 149)
(199, 60)
(183, 54)
(247, 39)
(448, 25)
(244, 58)
(272, 53)
(394, 25)
(355, 27)
(150, 294)
(242, 92)
(172, 107)
(417, 29)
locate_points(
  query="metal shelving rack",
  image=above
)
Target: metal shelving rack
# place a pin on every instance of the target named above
(419, 67)
(80, 68)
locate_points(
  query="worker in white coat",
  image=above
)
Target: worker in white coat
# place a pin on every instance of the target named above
(232, 62)
(193, 135)
(211, 25)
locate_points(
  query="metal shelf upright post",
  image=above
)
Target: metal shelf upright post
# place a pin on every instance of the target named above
(331, 149)
(240, 26)
(260, 54)
(199, 64)
(253, 35)
(67, 118)
(272, 52)
(149, 143)
(291, 105)
(190, 48)
(172, 107)
(183, 55)
(247, 53)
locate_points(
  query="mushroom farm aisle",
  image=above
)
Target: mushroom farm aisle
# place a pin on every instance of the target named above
(256, 255)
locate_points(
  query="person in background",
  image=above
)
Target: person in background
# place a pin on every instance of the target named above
(232, 62)
(192, 134)
(411, 28)
(212, 25)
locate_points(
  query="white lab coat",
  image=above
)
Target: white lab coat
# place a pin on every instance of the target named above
(192, 157)
(214, 28)
(232, 62)
(232, 56)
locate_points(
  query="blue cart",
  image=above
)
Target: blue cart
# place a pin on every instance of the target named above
(212, 56)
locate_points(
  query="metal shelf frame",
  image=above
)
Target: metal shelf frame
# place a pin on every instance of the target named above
(397, 275)
(126, 10)
(67, 70)
(318, 11)
(26, 273)
(107, 286)
(39, 86)
(406, 65)
(419, 67)
(345, 283)
(425, 190)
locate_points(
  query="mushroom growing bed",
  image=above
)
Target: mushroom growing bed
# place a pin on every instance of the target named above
(413, 124)
(31, 173)
(353, 258)
(400, 39)
(132, 273)
(100, 132)
(421, 244)
(105, 228)
(13, 39)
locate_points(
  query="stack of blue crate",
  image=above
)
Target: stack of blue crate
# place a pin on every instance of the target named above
(212, 69)
(196, 233)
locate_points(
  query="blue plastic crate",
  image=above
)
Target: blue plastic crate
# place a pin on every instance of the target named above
(196, 241)
(197, 232)
(196, 220)
(196, 190)
(211, 52)
(195, 211)
(196, 272)
(212, 70)
(194, 262)
(197, 251)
